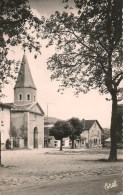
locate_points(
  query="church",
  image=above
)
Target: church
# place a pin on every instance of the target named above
(26, 115)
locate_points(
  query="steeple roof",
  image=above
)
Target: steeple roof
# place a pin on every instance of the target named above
(24, 76)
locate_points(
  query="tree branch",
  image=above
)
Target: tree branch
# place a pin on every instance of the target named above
(10, 22)
(119, 80)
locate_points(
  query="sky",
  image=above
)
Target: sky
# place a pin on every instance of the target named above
(89, 106)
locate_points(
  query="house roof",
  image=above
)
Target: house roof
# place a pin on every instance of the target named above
(26, 107)
(24, 76)
(50, 120)
(88, 124)
(5, 105)
(20, 107)
(83, 137)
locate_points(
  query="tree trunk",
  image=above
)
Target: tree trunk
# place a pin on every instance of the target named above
(61, 144)
(0, 150)
(72, 143)
(113, 129)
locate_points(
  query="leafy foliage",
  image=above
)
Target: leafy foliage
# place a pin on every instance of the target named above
(18, 26)
(77, 126)
(71, 128)
(89, 51)
(106, 133)
(88, 44)
(60, 130)
(76, 129)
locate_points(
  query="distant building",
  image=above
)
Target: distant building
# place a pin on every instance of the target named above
(93, 134)
(90, 137)
(4, 123)
(66, 143)
(49, 141)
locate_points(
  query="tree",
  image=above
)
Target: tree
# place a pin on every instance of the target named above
(60, 130)
(18, 26)
(119, 124)
(89, 51)
(106, 132)
(76, 129)
(105, 135)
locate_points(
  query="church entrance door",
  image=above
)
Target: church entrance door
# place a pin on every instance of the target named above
(35, 137)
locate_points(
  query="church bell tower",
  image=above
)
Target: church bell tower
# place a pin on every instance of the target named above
(24, 90)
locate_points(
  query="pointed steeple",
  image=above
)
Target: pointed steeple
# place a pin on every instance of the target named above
(24, 90)
(24, 77)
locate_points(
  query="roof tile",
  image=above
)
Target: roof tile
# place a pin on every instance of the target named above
(24, 76)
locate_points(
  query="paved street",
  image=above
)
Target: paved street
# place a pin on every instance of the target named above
(91, 186)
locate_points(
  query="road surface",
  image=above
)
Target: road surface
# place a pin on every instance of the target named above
(96, 185)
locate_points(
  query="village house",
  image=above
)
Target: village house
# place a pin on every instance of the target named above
(91, 136)
(49, 141)
(4, 123)
(93, 133)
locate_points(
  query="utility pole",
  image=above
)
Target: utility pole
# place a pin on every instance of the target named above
(48, 110)
(47, 143)
(47, 124)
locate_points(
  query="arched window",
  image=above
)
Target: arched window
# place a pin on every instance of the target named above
(28, 97)
(20, 97)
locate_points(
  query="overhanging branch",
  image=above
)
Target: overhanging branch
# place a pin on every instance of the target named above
(119, 80)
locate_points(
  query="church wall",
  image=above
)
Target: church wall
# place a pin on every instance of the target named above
(27, 124)
(35, 120)
(24, 92)
(18, 125)
(17, 121)
(4, 125)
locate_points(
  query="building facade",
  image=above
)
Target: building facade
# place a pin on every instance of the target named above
(92, 133)
(4, 123)
(27, 116)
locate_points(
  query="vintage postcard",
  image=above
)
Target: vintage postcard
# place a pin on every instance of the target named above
(61, 90)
